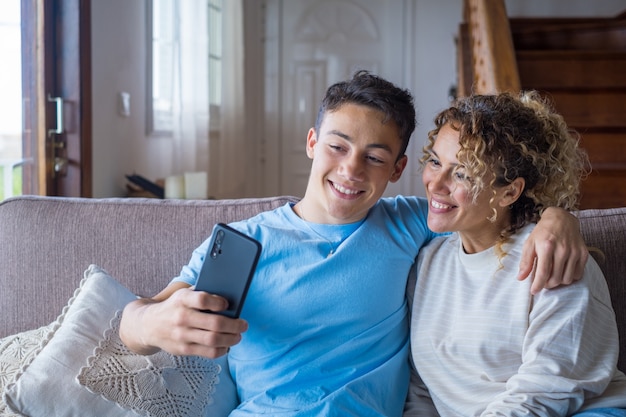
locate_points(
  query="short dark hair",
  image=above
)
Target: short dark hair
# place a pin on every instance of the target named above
(373, 91)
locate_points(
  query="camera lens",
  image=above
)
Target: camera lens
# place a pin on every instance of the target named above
(215, 250)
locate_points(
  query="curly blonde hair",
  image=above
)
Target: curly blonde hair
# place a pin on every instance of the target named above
(512, 137)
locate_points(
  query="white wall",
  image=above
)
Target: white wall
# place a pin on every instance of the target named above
(434, 69)
(117, 65)
(120, 144)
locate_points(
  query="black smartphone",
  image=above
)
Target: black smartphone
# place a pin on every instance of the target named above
(229, 265)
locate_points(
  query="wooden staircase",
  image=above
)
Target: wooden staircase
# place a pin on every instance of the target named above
(580, 63)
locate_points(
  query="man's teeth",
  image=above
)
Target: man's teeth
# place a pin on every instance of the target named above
(344, 190)
(439, 205)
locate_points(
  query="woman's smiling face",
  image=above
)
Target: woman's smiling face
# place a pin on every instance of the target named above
(452, 206)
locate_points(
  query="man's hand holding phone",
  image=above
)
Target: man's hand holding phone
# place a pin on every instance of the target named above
(204, 320)
(176, 321)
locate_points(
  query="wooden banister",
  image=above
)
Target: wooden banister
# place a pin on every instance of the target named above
(494, 66)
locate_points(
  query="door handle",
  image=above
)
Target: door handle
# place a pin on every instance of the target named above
(59, 163)
(59, 111)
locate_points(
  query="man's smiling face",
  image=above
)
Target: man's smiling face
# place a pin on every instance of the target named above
(355, 156)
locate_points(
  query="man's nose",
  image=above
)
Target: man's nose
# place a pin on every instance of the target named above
(352, 167)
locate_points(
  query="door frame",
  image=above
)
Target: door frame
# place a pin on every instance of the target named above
(56, 51)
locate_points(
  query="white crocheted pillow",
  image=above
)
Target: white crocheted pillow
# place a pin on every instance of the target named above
(84, 369)
(15, 351)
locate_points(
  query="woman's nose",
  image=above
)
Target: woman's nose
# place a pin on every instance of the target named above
(440, 182)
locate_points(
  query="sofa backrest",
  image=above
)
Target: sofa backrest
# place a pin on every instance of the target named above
(606, 231)
(47, 242)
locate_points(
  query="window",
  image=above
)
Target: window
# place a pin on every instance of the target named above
(166, 26)
(215, 62)
(162, 49)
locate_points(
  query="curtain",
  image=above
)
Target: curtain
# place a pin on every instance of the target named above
(233, 152)
(191, 79)
(217, 147)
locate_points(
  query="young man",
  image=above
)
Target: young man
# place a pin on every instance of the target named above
(328, 325)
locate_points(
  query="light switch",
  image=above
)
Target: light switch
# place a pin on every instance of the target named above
(123, 105)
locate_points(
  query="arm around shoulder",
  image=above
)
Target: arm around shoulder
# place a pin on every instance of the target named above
(555, 250)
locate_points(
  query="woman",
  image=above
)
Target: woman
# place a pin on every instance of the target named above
(482, 345)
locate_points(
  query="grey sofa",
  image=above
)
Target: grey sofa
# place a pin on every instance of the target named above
(46, 243)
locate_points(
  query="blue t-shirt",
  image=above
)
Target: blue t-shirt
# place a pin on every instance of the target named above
(328, 334)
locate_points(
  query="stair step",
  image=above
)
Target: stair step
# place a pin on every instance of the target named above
(605, 150)
(604, 189)
(591, 110)
(572, 69)
(569, 33)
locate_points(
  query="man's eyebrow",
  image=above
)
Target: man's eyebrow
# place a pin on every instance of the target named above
(335, 132)
(349, 139)
(380, 146)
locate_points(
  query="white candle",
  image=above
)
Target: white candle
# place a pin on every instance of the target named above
(196, 185)
(175, 186)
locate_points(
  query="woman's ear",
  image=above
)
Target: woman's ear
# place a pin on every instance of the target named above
(512, 192)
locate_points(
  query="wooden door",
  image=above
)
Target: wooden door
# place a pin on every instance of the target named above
(56, 97)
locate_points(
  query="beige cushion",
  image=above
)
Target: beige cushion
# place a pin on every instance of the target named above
(84, 369)
(15, 351)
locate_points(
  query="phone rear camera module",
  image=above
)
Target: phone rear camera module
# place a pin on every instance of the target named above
(217, 245)
(216, 250)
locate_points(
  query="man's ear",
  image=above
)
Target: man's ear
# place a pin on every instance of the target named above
(398, 168)
(512, 192)
(311, 141)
